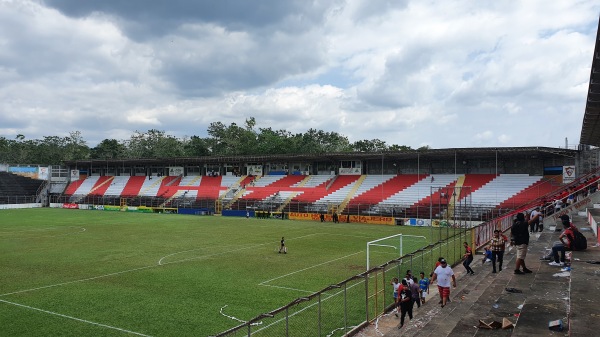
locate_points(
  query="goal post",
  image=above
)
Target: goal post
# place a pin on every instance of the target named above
(394, 246)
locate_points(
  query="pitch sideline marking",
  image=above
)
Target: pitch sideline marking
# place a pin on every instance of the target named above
(76, 281)
(74, 318)
(8, 236)
(307, 268)
(307, 307)
(116, 273)
(221, 253)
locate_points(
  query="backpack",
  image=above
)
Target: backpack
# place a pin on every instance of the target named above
(578, 241)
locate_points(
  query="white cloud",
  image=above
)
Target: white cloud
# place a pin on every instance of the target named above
(485, 135)
(410, 73)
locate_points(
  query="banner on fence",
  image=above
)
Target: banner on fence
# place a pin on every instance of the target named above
(368, 219)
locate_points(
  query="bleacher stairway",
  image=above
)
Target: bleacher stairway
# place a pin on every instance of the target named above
(529, 301)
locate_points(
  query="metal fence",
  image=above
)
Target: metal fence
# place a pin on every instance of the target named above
(344, 308)
(17, 199)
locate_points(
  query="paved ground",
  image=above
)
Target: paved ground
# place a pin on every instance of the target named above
(548, 294)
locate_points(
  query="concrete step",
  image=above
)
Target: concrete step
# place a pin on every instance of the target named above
(543, 296)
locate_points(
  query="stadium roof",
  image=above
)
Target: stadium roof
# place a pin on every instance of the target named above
(431, 154)
(590, 131)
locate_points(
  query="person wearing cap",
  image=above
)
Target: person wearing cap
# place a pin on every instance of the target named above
(445, 278)
(520, 239)
(437, 264)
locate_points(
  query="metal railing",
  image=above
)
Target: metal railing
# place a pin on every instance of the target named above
(344, 308)
(17, 199)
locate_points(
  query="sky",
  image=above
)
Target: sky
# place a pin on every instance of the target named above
(444, 74)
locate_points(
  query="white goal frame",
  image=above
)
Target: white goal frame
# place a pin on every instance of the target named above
(399, 247)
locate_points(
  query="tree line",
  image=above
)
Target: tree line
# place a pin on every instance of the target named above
(222, 140)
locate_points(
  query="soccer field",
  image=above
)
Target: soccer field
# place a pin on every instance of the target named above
(95, 273)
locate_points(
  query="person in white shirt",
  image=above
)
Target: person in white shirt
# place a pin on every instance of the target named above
(535, 225)
(445, 277)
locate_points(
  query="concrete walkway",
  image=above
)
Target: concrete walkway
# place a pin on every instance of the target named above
(549, 293)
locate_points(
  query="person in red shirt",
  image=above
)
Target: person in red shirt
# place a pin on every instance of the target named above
(565, 238)
(468, 259)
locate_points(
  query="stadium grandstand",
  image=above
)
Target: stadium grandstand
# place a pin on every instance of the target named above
(391, 187)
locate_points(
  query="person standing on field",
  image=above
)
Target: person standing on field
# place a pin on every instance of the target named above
(282, 247)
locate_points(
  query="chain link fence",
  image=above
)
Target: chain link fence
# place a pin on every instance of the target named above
(345, 308)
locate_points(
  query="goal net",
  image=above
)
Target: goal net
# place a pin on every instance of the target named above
(392, 247)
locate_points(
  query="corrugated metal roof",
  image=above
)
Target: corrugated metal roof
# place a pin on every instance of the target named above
(590, 130)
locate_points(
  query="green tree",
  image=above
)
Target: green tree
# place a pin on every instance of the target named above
(233, 139)
(374, 145)
(153, 144)
(75, 147)
(196, 147)
(109, 149)
(399, 148)
(274, 142)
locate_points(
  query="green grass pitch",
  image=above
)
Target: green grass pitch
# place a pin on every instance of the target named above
(94, 273)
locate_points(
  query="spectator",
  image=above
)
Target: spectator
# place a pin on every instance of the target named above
(409, 277)
(487, 255)
(566, 239)
(520, 238)
(571, 199)
(497, 246)
(424, 287)
(468, 259)
(437, 264)
(444, 275)
(535, 225)
(396, 287)
(415, 291)
(557, 205)
(405, 302)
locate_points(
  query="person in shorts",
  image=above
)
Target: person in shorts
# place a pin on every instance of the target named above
(520, 239)
(396, 285)
(282, 247)
(424, 286)
(444, 275)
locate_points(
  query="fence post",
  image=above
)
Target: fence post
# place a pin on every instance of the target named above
(319, 317)
(366, 277)
(345, 308)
